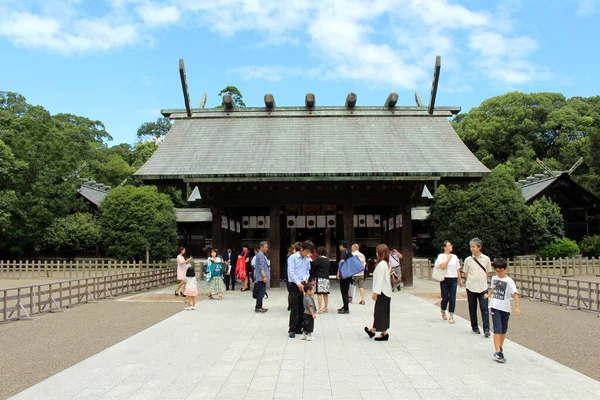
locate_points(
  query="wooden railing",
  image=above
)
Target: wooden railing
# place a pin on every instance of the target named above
(65, 269)
(24, 301)
(574, 294)
(564, 267)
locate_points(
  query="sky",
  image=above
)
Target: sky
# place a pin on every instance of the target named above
(117, 60)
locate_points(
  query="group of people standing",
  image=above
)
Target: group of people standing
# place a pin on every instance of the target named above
(477, 270)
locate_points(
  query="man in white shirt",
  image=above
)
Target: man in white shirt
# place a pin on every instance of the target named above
(478, 270)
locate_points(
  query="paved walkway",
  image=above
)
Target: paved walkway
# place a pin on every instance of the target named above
(224, 350)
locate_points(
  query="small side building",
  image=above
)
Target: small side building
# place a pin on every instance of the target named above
(580, 207)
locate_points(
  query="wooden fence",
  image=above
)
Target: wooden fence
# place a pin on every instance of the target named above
(563, 267)
(65, 269)
(23, 302)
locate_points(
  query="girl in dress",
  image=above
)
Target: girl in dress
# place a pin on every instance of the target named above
(214, 277)
(191, 288)
(240, 268)
(382, 292)
(181, 270)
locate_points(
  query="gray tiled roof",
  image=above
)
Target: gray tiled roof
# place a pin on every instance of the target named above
(93, 194)
(531, 190)
(324, 146)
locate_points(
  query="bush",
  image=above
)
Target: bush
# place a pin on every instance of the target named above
(559, 248)
(134, 218)
(72, 234)
(590, 246)
(543, 223)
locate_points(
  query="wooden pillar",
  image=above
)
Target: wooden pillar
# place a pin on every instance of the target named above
(348, 217)
(274, 239)
(407, 247)
(217, 231)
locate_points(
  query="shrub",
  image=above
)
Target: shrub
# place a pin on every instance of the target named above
(590, 246)
(543, 223)
(563, 247)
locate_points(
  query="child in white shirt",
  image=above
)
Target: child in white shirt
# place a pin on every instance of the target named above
(501, 290)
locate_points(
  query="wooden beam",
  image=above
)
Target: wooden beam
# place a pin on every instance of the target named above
(418, 99)
(391, 100)
(184, 87)
(274, 238)
(228, 102)
(350, 100)
(309, 100)
(203, 101)
(269, 101)
(407, 246)
(434, 84)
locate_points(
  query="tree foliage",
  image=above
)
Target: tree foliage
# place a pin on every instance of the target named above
(134, 218)
(519, 128)
(493, 210)
(71, 234)
(154, 131)
(235, 94)
(590, 246)
(544, 223)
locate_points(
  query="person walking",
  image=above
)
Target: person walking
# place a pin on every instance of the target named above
(501, 290)
(191, 288)
(230, 261)
(396, 266)
(478, 269)
(359, 279)
(320, 272)
(262, 275)
(298, 274)
(215, 275)
(241, 267)
(382, 292)
(451, 264)
(344, 282)
(181, 270)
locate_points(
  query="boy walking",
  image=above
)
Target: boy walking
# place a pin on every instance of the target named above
(309, 312)
(502, 288)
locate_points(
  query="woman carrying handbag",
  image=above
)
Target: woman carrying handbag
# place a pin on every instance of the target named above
(382, 292)
(450, 265)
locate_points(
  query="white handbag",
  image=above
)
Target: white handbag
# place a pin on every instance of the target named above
(438, 274)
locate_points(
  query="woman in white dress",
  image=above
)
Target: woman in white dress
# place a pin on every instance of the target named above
(181, 270)
(382, 295)
(449, 262)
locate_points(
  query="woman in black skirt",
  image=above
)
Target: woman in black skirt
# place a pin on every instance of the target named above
(319, 271)
(382, 292)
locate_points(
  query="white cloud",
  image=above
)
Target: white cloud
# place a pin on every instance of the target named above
(158, 15)
(586, 7)
(378, 42)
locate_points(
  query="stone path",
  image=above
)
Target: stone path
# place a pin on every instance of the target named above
(224, 350)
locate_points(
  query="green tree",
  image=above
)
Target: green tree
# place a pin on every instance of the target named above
(142, 153)
(72, 234)
(154, 130)
(544, 223)
(134, 218)
(492, 210)
(235, 94)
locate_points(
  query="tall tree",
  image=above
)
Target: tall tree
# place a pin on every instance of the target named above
(235, 94)
(154, 131)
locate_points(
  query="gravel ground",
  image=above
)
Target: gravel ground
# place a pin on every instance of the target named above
(571, 338)
(35, 350)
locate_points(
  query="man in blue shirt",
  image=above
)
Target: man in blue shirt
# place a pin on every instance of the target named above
(262, 275)
(298, 273)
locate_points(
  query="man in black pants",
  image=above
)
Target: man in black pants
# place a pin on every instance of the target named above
(230, 259)
(344, 283)
(298, 273)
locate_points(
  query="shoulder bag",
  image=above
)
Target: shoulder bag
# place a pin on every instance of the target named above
(478, 263)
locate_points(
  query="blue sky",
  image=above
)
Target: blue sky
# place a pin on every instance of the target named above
(117, 60)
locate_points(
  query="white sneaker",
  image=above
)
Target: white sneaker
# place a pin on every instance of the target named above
(188, 308)
(304, 337)
(310, 338)
(193, 307)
